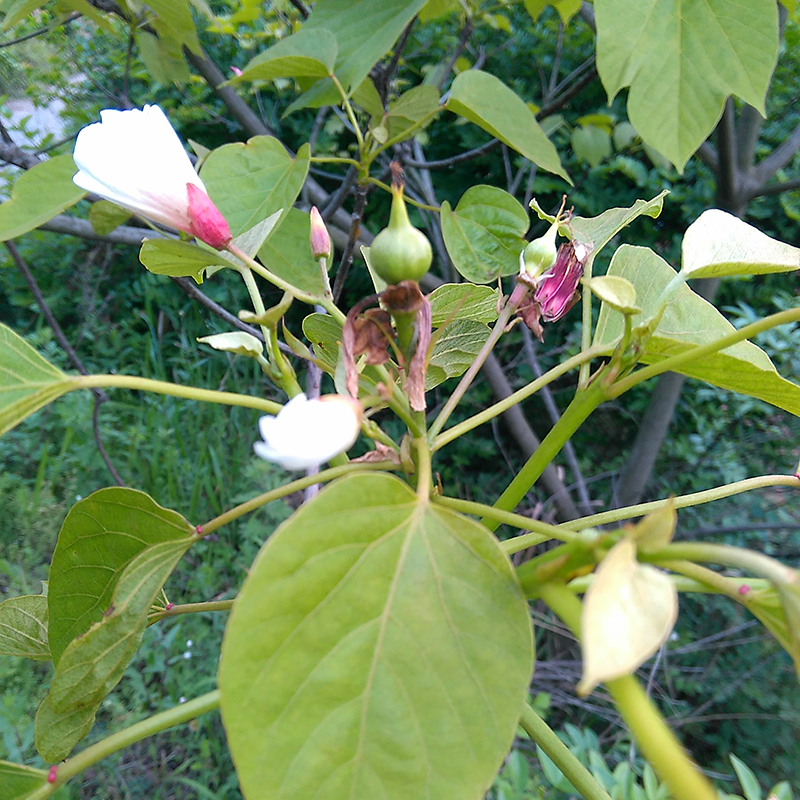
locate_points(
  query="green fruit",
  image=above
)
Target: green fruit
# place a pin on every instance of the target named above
(400, 252)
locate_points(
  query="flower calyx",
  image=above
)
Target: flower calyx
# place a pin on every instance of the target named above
(540, 254)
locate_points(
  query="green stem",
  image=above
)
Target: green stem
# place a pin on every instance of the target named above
(738, 557)
(401, 136)
(713, 581)
(423, 474)
(542, 532)
(517, 397)
(586, 320)
(334, 160)
(656, 740)
(410, 201)
(499, 327)
(135, 733)
(579, 409)
(674, 363)
(189, 608)
(351, 115)
(174, 390)
(572, 769)
(683, 501)
(275, 494)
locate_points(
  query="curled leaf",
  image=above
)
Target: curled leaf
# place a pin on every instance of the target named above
(239, 342)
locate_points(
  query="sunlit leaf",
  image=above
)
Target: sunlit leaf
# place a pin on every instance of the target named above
(453, 301)
(720, 245)
(688, 322)
(485, 100)
(307, 53)
(628, 613)
(27, 381)
(618, 292)
(178, 259)
(410, 110)
(56, 734)
(38, 195)
(372, 628)
(239, 342)
(18, 782)
(106, 216)
(656, 530)
(455, 350)
(681, 59)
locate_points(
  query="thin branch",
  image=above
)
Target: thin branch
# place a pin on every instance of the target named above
(39, 31)
(340, 195)
(779, 157)
(300, 6)
(777, 188)
(99, 439)
(386, 74)
(355, 230)
(707, 153)
(449, 162)
(463, 38)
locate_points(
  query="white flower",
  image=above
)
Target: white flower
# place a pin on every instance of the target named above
(135, 159)
(308, 432)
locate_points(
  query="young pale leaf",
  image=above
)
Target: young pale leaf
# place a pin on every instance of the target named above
(485, 100)
(747, 779)
(719, 245)
(38, 195)
(100, 537)
(591, 144)
(106, 216)
(483, 234)
(367, 627)
(249, 182)
(305, 54)
(781, 791)
(600, 230)
(628, 613)
(453, 301)
(92, 664)
(656, 530)
(239, 342)
(18, 782)
(287, 253)
(162, 58)
(174, 21)
(178, 259)
(567, 9)
(618, 292)
(789, 594)
(250, 241)
(688, 322)
(23, 627)
(27, 381)
(454, 350)
(766, 605)
(410, 109)
(681, 60)
(55, 735)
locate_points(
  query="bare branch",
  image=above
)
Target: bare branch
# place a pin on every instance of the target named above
(300, 6)
(779, 157)
(748, 129)
(463, 38)
(726, 148)
(39, 31)
(708, 155)
(777, 188)
(449, 162)
(355, 231)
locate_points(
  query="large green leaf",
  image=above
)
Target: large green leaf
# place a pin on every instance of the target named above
(287, 253)
(249, 182)
(27, 381)
(688, 322)
(18, 782)
(92, 664)
(100, 537)
(174, 21)
(38, 195)
(681, 59)
(454, 351)
(485, 100)
(720, 245)
(600, 230)
(362, 656)
(484, 233)
(307, 53)
(453, 301)
(359, 48)
(178, 259)
(23, 627)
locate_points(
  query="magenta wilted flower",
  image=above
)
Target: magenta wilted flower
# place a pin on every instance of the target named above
(556, 290)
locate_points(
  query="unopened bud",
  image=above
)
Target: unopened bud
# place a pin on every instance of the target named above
(540, 254)
(319, 237)
(206, 222)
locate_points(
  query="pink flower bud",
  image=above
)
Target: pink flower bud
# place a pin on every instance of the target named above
(205, 221)
(236, 71)
(320, 239)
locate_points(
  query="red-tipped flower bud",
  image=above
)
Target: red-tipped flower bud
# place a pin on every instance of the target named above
(205, 221)
(319, 237)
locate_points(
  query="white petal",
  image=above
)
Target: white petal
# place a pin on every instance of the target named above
(135, 159)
